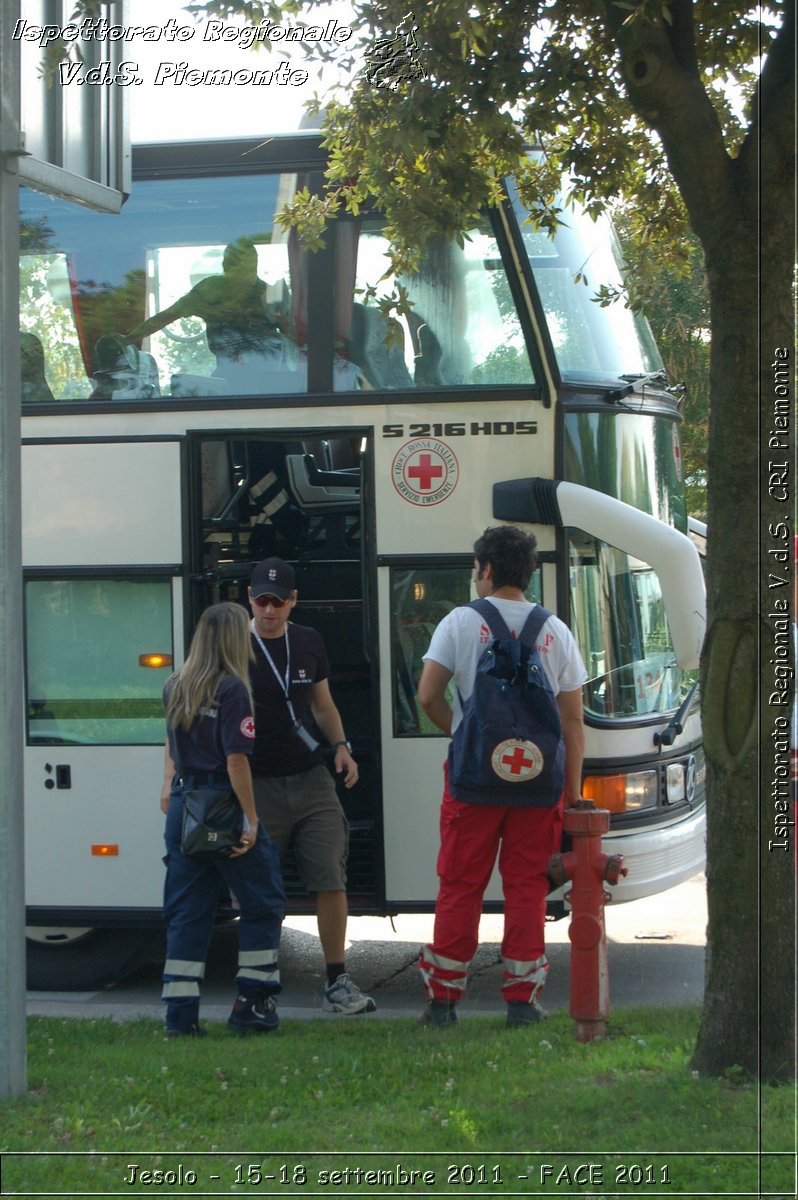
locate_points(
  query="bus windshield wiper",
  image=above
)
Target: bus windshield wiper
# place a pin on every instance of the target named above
(660, 376)
(676, 724)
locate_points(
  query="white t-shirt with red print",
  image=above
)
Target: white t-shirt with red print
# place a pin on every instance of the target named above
(458, 642)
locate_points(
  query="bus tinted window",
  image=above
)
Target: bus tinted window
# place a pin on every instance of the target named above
(98, 652)
(421, 598)
(463, 329)
(590, 341)
(193, 289)
(618, 620)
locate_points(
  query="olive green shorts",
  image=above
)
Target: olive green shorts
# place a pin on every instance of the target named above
(303, 811)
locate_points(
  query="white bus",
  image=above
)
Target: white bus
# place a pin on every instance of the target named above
(155, 475)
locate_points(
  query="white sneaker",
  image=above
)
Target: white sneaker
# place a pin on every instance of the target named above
(344, 996)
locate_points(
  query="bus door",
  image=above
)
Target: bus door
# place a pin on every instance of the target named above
(302, 496)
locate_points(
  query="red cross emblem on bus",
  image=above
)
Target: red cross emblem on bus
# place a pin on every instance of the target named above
(515, 761)
(424, 471)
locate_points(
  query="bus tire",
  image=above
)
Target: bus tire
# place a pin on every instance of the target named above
(85, 960)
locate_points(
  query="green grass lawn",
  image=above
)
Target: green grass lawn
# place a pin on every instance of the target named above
(352, 1106)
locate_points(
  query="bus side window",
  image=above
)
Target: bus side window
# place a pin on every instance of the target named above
(461, 326)
(98, 654)
(421, 598)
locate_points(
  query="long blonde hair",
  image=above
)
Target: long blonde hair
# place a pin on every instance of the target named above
(220, 647)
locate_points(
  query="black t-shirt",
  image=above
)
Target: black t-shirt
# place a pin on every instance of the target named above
(278, 750)
(226, 728)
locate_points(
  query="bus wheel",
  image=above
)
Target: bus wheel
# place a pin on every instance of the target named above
(85, 959)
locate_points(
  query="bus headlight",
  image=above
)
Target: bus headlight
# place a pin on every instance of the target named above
(675, 789)
(622, 793)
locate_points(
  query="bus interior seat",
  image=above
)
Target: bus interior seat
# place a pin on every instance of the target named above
(322, 490)
(123, 372)
(247, 498)
(184, 385)
(383, 365)
(246, 379)
(35, 388)
(344, 454)
(319, 448)
(335, 454)
(331, 499)
(262, 497)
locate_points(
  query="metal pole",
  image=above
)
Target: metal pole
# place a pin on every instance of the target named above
(12, 855)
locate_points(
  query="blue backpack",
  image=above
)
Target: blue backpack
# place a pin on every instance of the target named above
(508, 748)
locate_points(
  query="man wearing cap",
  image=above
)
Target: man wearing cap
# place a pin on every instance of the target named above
(295, 794)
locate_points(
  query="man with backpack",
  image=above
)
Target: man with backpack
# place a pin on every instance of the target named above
(514, 759)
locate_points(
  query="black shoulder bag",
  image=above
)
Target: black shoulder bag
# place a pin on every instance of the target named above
(213, 820)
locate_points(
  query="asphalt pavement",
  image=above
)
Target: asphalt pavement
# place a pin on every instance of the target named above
(655, 956)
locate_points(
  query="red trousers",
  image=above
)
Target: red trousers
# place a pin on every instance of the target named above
(471, 837)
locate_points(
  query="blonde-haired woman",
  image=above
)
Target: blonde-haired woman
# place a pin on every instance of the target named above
(210, 735)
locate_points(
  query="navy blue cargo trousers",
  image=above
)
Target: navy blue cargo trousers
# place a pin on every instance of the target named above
(191, 895)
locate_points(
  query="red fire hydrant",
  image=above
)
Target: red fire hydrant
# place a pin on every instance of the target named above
(589, 869)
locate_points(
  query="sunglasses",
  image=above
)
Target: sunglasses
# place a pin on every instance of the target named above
(265, 601)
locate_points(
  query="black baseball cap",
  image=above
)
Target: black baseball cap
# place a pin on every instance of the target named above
(272, 577)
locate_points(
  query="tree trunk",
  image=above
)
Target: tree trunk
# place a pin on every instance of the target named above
(741, 208)
(749, 1003)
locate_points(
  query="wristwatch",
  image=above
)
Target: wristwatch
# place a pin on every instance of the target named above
(348, 745)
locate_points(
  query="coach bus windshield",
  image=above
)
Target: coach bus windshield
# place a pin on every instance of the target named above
(591, 342)
(618, 619)
(617, 608)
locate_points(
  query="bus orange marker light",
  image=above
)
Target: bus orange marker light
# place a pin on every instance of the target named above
(606, 791)
(155, 660)
(622, 793)
(105, 850)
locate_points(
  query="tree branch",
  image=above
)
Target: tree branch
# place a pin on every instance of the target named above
(672, 100)
(682, 35)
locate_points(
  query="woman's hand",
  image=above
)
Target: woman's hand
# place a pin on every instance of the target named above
(248, 839)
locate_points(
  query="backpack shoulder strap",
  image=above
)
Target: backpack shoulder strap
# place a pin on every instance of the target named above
(498, 626)
(493, 619)
(533, 625)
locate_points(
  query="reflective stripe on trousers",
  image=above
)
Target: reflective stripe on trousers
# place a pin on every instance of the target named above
(473, 836)
(258, 970)
(191, 895)
(520, 977)
(443, 978)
